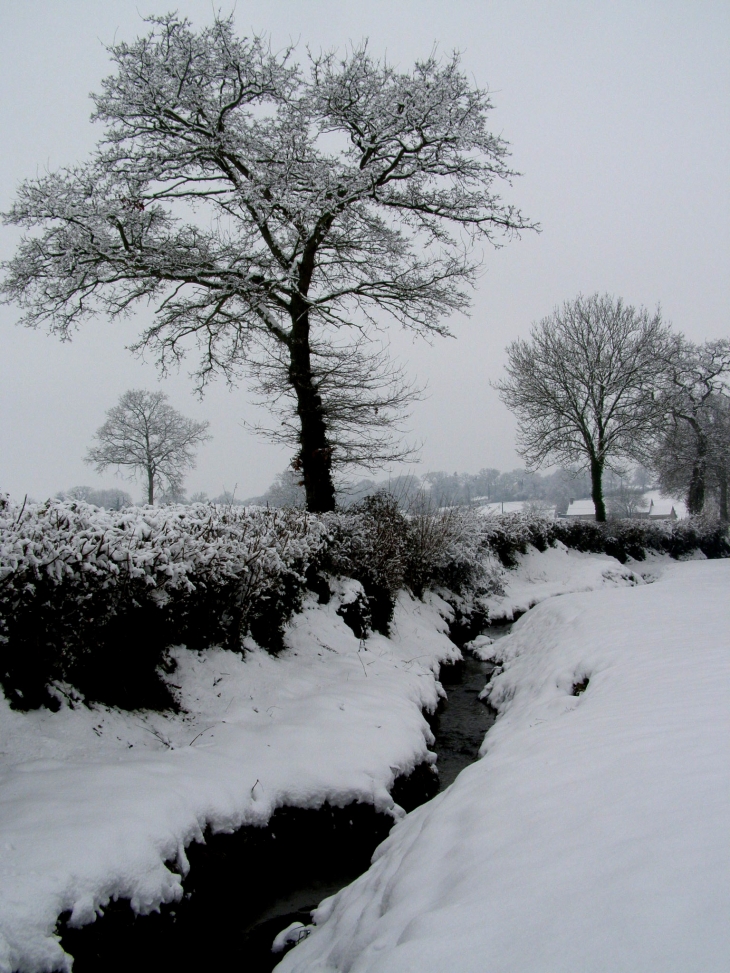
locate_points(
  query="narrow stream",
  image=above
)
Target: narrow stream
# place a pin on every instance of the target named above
(245, 888)
(462, 719)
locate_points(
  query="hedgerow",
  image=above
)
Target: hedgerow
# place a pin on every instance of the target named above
(511, 534)
(93, 598)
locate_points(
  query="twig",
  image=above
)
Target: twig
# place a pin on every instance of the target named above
(200, 734)
(25, 500)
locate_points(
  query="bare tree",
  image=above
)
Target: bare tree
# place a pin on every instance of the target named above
(146, 435)
(263, 205)
(364, 395)
(627, 502)
(690, 450)
(584, 386)
(692, 460)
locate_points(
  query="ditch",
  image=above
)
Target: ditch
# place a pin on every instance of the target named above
(244, 888)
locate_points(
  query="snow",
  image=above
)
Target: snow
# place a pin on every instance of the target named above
(663, 505)
(95, 801)
(556, 571)
(592, 835)
(164, 546)
(495, 507)
(581, 508)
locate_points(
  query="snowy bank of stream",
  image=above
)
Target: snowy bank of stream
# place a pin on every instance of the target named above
(98, 804)
(592, 836)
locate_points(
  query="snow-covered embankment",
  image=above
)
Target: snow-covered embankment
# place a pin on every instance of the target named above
(593, 834)
(96, 803)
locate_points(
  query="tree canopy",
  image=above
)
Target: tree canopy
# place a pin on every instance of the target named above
(144, 434)
(585, 386)
(691, 449)
(267, 209)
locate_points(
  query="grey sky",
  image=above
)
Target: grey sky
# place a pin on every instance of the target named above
(619, 117)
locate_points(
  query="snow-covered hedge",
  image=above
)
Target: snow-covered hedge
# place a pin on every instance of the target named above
(388, 550)
(92, 597)
(510, 534)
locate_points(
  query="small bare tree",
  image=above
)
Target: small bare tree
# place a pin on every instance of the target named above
(584, 387)
(261, 205)
(627, 502)
(144, 434)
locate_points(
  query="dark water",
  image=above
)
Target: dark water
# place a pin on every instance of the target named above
(245, 888)
(242, 890)
(462, 719)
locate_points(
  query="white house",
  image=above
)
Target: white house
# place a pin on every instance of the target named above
(659, 508)
(581, 510)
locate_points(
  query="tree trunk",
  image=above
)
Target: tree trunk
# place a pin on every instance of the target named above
(150, 486)
(723, 499)
(696, 492)
(315, 454)
(597, 489)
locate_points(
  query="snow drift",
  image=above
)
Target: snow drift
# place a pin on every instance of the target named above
(592, 834)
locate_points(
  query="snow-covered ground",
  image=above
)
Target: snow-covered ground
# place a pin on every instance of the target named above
(93, 802)
(496, 507)
(557, 571)
(592, 836)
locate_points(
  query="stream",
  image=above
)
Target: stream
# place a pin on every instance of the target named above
(246, 887)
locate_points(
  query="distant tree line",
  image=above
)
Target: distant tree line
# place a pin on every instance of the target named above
(489, 485)
(111, 499)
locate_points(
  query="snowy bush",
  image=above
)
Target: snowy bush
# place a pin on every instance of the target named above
(508, 535)
(387, 549)
(370, 544)
(634, 538)
(92, 597)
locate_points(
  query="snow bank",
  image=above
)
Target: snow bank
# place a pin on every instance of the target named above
(592, 837)
(558, 570)
(98, 803)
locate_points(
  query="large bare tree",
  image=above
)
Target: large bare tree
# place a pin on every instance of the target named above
(144, 434)
(585, 386)
(262, 206)
(691, 449)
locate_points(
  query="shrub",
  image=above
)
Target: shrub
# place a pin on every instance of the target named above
(93, 597)
(370, 543)
(634, 538)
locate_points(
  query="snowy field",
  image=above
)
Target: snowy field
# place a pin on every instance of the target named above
(592, 836)
(97, 803)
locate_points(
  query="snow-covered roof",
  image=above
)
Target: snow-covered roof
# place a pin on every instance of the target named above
(497, 507)
(662, 506)
(516, 507)
(581, 508)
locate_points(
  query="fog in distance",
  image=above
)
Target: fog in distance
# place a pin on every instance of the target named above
(618, 114)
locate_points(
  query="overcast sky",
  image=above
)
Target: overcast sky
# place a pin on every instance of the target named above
(618, 114)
